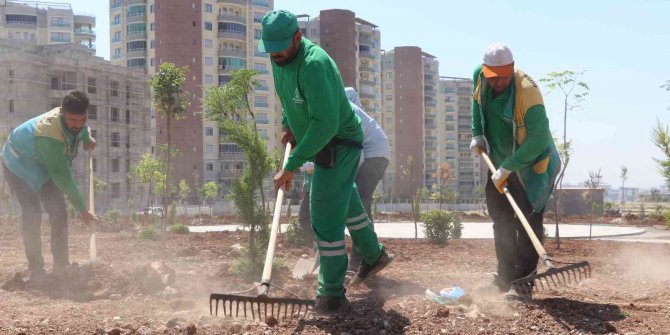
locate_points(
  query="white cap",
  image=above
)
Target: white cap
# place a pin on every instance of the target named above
(498, 54)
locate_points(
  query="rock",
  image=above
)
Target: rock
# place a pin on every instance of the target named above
(236, 328)
(191, 329)
(271, 321)
(153, 278)
(174, 322)
(114, 297)
(169, 292)
(45, 322)
(115, 331)
(144, 330)
(443, 312)
(387, 325)
(116, 319)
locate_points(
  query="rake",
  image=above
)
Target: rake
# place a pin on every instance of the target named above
(553, 277)
(262, 306)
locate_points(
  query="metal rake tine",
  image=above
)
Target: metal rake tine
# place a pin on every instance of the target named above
(210, 306)
(563, 278)
(244, 307)
(258, 306)
(253, 316)
(286, 310)
(272, 309)
(237, 309)
(265, 307)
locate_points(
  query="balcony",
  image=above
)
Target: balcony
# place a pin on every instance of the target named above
(234, 2)
(367, 82)
(261, 104)
(84, 18)
(232, 53)
(365, 54)
(233, 35)
(136, 18)
(116, 39)
(60, 25)
(135, 2)
(117, 56)
(84, 31)
(136, 35)
(137, 53)
(232, 18)
(365, 40)
(260, 3)
(430, 103)
(367, 68)
(366, 95)
(263, 88)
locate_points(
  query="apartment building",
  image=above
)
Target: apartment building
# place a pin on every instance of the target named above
(212, 38)
(34, 79)
(455, 107)
(45, 23)
(354, 45)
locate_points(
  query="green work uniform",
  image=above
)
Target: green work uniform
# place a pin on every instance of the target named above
(316, 110)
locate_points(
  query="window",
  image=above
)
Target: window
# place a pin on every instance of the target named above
(114, 115)
(127, 116)
(209, 148)
(152, 26)
(209, 61)
(21, 19)
(208, 8)
(261, 101)
(209, 131)
(136, 29)
(136, 63)
(209, 166)
(209, 26)
(117, 37)
(389, 74)
(11, 106)
(92, 112)
(92, 89)
(258, 17)
(60, 22)
(115, 165)
(55, 83)
(229, 27)
(208, 43)
(137, 46)
(227, 63)
(116, 190)
(115, 140)
(116, 20)
(258, 34)
(114, 85)
(152, 8)
(229, 149)
(60, 37)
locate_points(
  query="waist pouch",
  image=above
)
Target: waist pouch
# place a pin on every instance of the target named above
(327, 156)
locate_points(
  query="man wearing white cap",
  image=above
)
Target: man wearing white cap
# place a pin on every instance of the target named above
(509, 123)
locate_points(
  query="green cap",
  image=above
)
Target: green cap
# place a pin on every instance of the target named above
(279, 26)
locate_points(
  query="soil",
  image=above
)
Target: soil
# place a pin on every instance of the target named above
(129, 290)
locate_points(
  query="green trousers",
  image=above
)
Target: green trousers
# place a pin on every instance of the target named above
(334, 205)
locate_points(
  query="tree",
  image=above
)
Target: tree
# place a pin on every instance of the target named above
(170, 101)
(407, 173)
(184, 191)
(209, 191)
(624, 177)
(148, 171)
(443, 176)
(593, 183)
(229, 106)
(660, 136)
(574, 93)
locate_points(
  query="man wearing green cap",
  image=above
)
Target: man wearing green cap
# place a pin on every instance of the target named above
(318, 118)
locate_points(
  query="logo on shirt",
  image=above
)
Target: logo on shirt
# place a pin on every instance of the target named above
(297, 98)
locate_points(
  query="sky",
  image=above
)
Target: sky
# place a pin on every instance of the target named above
(622, 47)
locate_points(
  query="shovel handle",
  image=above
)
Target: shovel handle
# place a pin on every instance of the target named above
(269, 256)
(526, 226)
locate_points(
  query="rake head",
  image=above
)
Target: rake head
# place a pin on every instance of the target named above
(259, 307)
(554, 277)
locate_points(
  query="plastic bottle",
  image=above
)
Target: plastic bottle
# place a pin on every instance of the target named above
(430, 295)
(452, 293)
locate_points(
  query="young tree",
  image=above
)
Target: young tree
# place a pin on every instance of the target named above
(593, 184)
(170, 101)
(624, 177)
(660, 136)
(574, 93)
(184, 191)
(148, 171)
(407, 173)
(229, 106)
(209, 191)
(443, 175)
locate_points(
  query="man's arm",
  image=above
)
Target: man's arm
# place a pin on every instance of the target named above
(538, 138)
(319, 84)
(58, 166)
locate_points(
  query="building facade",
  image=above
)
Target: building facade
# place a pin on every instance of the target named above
(212, 38)
(34, 79)
(45, 23)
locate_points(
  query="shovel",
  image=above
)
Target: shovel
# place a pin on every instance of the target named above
(262, 303)
(92, 251)
(569, 273)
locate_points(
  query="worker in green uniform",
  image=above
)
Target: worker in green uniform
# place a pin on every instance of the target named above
(37, 161)
(509, 123)
(319, 120)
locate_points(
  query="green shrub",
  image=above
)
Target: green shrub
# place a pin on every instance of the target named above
(149, 233)
(440, 226)
(113, 215)
(179, 228)
(296, 235)
(667, 219)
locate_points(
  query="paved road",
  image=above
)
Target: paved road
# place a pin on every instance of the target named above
(473, 230)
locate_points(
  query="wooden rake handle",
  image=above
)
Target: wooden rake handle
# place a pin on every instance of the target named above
(269, 256)
(526, 226)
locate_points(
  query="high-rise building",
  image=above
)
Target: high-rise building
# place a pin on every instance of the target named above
(409, 103)
(354, 44)
(45, 23)
(212, 38)
(35, 79)
(455, 106)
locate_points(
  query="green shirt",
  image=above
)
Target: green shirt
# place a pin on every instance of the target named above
(315, 106)
(498, 129)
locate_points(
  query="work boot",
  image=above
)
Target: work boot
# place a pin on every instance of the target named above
(37, 275)
(367, 271)
(518, 295)
(331, 305)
